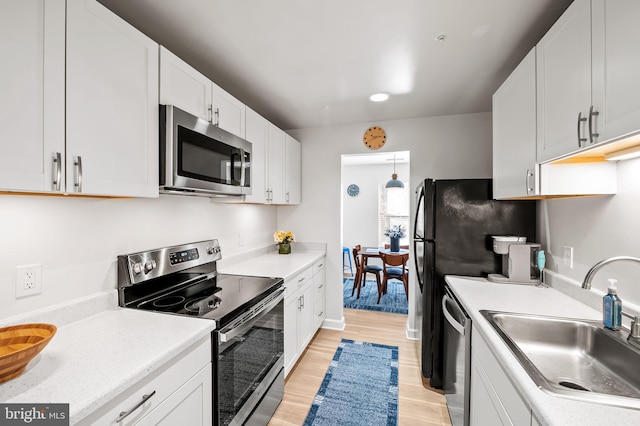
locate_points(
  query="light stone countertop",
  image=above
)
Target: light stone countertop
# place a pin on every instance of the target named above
(273, 264)
(477, 294)
(98, 351)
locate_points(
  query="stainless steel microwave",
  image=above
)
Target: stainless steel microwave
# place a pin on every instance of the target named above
(199, 158)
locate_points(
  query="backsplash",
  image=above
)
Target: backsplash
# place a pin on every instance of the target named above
(77, 240)
(597, 228)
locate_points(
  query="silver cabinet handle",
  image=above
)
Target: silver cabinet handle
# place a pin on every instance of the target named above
(321, 313)
(581, 119)
(123, 415)
(592, 134)
(57, 171)
(527, 182)
(78, 170)
(300, 280)
(302, 301)
(287, 196)
(321, 285)
(217, 113)
(210, 113)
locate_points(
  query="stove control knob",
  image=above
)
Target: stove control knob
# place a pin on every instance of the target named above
(137, 268)
(149, 266)
(209, 250)
(213, 249)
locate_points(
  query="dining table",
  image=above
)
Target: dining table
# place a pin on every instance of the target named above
(374, 252)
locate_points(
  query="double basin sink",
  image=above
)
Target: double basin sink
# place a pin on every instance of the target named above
(573, 358)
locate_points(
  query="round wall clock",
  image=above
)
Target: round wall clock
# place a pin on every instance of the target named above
(374, 137)
(353, 190)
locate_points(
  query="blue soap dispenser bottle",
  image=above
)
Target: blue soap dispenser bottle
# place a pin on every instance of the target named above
(612, 307)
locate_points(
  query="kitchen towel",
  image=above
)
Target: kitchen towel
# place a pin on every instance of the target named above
(395, 301)
(360, 387)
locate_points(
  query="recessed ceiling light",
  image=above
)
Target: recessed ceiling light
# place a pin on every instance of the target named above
(379, 97)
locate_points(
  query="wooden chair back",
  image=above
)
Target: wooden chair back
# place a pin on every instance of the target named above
(388, 246)
(356, 258)
(395, 260)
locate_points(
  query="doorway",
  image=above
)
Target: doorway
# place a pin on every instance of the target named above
(369, 208)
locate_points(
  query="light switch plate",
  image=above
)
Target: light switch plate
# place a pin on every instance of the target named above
(568, 256)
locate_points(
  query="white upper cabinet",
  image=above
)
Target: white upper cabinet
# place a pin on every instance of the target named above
(257, 132)
(564, 83)
(228, 112)
(185, 87)
(292, 171)
(514, 133)
(112, 104)
(276, 167)
(32, 42)
(588, 90)
(616, 60)
(81, 113)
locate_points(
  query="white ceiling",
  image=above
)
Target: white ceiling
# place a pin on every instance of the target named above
(308, 63)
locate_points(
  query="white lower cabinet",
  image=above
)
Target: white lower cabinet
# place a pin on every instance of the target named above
(494, 399)
(180, 392)
(302, 311)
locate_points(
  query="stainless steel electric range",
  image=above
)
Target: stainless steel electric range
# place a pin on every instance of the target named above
(248, 343)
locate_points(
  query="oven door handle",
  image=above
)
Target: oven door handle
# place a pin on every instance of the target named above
(229, 332)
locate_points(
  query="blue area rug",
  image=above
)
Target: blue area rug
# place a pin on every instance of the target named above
(360, 387)
(395, 301)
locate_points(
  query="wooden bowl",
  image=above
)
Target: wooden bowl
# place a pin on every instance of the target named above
(19, 344)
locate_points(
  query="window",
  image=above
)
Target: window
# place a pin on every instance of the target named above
(393, 209)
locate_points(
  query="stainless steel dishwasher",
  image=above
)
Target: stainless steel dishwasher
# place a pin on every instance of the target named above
(457, 359)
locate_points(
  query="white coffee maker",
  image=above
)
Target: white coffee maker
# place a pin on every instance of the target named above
(518, 260)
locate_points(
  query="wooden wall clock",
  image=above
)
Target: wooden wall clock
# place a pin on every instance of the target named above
(374, 138)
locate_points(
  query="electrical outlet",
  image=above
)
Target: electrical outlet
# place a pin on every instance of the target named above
(28, 280)
(568, 256)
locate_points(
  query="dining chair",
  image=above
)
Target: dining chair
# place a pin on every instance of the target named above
(361, 274)
(395, 267)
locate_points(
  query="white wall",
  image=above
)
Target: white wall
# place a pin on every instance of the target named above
(598, 228)
(77, 240)
(457, 146)
(360, 213)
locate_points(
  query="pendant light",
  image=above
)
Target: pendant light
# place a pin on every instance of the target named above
(394, 182)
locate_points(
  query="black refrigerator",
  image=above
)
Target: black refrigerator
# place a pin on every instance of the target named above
(454, 222)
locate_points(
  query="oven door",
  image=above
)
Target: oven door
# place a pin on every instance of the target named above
(250, 365)
(199, 157)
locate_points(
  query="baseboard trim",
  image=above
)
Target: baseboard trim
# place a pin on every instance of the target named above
(330, 324)
(411, 333)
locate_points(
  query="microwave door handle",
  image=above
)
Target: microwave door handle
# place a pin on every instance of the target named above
(242, 165)
(232, 167)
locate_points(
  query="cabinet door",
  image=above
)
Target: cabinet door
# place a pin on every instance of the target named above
(482, 408)
(305, 317)
(183, 86)
(292, 171)
(258, 134)
(188, 405)
(112, 104)
(228, 112)
(277, 141)
(616, 61)
(514, 132)
(291, 308)
(564, 83)
(32, 41)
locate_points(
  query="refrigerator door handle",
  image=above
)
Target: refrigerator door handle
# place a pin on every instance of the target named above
(450, 319)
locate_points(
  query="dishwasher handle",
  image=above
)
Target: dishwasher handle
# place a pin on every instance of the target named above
(450, 319)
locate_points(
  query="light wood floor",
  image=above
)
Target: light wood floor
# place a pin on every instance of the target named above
(416, 405)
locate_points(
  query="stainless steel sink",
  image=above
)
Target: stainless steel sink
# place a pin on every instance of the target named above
(573, 358)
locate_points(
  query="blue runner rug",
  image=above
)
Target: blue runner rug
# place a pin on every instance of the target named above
(395, 301)
(360, 387)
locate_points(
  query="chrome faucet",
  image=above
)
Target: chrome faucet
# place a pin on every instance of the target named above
(586, 283)
(634, 330)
